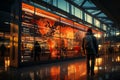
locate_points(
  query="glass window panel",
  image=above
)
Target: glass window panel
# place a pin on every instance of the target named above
(104, 27)
(97, 23)
(55, 2)
(85, 16)
(73, 10)
(67, 7)
(81, 14)
(62, 4)
(89, 18)
(77, 12)
(49, 1)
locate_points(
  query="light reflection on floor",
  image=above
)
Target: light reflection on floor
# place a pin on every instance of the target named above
(72, 70)
(6, 62)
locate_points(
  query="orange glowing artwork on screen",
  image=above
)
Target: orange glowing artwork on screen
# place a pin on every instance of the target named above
(51, 44)
(67, 32)
(44, 25)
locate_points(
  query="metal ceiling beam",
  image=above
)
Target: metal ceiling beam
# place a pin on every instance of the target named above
(109, 23)
(83, 3)
(91, 8)
(94, 12)
(98, 13)
(102, 17)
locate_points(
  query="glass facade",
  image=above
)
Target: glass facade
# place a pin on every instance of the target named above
(57, 36)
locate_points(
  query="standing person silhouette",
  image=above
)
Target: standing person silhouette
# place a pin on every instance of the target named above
(90, 47)
(37, 50)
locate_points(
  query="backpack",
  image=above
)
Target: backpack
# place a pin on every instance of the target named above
(89, 44)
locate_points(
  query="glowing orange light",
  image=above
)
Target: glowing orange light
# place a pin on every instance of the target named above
(118, 59)
(51, 44)
(75, 71)
(98, 61)
(80, 25)
(27, 6)
(67, 32)
(7, 62)
(55, 72)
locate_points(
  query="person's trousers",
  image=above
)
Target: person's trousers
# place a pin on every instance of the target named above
(90, 66)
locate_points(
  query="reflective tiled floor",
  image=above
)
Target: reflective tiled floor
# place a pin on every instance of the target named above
(107, 68)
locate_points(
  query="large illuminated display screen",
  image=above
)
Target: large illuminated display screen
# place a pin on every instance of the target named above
(58, 37)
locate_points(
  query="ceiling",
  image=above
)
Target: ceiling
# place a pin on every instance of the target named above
(111, 8)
